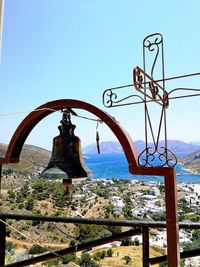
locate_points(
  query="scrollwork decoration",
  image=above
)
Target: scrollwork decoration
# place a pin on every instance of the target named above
(109, 98)
(151, 157)
(152, 43)
(112, 99)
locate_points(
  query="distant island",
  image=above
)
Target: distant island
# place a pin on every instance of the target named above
(108, 147)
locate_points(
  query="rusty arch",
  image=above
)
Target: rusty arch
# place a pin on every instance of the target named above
(27, 125)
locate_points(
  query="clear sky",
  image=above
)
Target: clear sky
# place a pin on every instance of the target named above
(55, 49)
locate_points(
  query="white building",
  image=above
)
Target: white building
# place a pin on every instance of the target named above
(78, 197)
(118, 206)
(114, 199)
(154, 191)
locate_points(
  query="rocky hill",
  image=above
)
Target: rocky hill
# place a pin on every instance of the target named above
(192, 162)
(31, 156)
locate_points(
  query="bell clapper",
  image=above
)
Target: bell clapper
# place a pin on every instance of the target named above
(67, 183)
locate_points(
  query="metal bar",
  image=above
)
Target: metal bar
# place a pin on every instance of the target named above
(129, 223)
(145, 246)
(171, 209)
(77, 248)
(160, 80)
(178, 77)
(183, 255)
(0, 177)
(2, 242)
(173, 258)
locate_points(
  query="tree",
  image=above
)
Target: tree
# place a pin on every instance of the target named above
(127, 242)
(196, 241)
(29, 204)
(89, 231)
(196, 234)
(19, 197)
(127, 259)
(109, 208)
(25, 190)
(11, 195)
(36, 249)
(105, 233)
(10, 246)
(69, 258)
(136, 242)
(109, 252)
(159, 216)
(53, 262)
(127, 211)
(72, 243)
(115, 229)
(87, 261)
(99, 255)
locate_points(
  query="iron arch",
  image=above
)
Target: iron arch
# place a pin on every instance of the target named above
(19, 137)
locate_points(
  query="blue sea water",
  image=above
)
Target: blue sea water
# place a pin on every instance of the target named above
(115, 166)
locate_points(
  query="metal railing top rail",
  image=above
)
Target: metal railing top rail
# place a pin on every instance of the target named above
(128, 223)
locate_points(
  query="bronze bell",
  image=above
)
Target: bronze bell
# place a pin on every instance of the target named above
(66, 161)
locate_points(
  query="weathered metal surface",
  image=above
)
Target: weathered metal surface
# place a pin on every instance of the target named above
(173, 250)
(66, 156)
(0, 177)
(145, 247)
(128, 223)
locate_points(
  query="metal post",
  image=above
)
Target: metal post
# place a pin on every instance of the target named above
(2, 242)
(145, 246)
(173, 253)
(169, 173)
(0, 177)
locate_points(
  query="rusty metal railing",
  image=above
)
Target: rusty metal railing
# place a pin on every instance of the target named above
(137, 227)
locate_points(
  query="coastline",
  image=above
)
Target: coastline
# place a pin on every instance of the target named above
(115, 166)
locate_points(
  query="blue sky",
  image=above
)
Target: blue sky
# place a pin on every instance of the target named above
(55, 49)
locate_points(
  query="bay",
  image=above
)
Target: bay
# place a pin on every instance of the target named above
(115, 166)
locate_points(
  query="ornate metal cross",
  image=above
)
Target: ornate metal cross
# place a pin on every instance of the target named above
(149, 87)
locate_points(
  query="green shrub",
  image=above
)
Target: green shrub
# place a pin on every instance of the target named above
(10, 246)
(36, 249)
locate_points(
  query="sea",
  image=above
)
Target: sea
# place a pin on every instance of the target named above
(115, 166)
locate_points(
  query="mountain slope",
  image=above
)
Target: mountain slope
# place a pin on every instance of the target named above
(31, 156)
(192, 162)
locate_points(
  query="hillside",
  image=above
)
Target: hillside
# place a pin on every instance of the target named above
(31, 156)
(192, 162)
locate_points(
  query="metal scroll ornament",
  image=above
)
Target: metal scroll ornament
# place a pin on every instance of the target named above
(151, 157)
(114, 97)
(154, 45)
